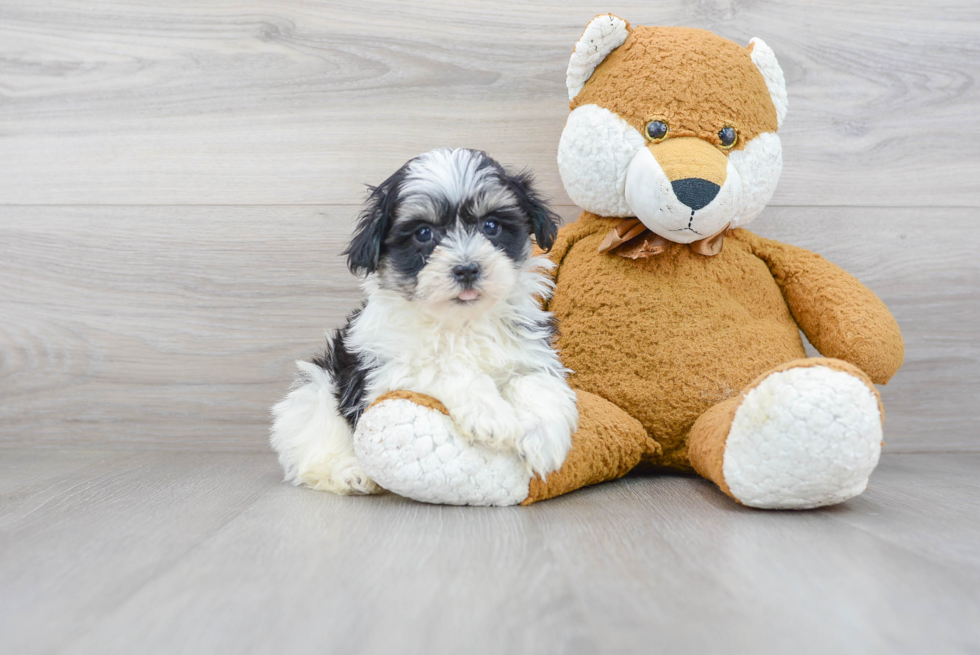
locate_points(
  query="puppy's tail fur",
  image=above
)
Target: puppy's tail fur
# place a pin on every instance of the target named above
(313, 441)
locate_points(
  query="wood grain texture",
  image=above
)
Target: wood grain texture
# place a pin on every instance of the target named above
(176, 327)
(209, 552)
(233, 102)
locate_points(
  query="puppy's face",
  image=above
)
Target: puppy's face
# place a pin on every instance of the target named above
(451, 229)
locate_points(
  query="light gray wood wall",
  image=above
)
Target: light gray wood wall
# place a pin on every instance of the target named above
(177, 179)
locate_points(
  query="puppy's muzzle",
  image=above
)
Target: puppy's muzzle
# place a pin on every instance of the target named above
(466, 274)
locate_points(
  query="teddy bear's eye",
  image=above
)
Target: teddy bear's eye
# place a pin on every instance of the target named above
(728, 136)
(656, 130)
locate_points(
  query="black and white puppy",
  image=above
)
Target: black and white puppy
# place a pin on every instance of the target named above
(452, 310)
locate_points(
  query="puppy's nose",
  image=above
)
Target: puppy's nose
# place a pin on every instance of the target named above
(466, 273)
(695, 192)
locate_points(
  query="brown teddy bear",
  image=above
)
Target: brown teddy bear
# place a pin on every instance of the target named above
(680, 327)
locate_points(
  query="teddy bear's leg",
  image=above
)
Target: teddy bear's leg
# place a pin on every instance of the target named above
(607, 445)
(408, 444)
(805, 434)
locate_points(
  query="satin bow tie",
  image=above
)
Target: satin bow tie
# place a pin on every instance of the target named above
(631, 239)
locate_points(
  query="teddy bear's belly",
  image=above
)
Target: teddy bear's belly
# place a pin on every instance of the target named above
(667, 337)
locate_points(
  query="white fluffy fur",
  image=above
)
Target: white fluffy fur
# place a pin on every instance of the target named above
(301, 421)
(602, 35)
(805, 437)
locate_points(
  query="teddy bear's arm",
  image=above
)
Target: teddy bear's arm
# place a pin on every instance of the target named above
(841, 317)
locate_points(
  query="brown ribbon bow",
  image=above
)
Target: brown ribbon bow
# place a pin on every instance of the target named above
(631, 239)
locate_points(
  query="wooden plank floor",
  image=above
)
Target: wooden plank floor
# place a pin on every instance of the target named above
(177, 552)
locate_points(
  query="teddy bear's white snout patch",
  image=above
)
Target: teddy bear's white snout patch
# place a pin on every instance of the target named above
(660, 204)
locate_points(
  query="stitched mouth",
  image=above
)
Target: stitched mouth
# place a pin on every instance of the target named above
(689, 228)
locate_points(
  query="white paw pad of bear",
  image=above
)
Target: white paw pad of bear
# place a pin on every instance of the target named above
(415, 452)
(803, 438)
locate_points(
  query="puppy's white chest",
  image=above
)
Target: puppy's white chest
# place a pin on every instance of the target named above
(495, 354)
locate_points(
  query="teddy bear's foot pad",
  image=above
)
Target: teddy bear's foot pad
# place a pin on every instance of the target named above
(804, 437)
(415, 451)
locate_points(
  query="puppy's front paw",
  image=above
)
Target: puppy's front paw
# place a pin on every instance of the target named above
(548, 413)
(544, 444)
(488, 420)
(342, 475)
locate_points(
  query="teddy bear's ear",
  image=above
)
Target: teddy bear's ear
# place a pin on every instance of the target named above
(765, 60)
(603, 34)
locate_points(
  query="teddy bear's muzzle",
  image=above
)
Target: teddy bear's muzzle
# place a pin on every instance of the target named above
(683, 189)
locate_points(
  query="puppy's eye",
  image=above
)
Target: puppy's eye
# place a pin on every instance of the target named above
(656, 130)
(728, 136)
(423, 234)
(490, 227)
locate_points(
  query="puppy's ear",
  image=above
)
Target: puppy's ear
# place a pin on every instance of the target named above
(364, 251)
(544, 221)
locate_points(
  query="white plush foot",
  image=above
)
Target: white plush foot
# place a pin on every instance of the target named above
(416, 452)
(803, 438)
(342, 475)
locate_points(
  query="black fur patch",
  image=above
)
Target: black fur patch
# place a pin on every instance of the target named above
(404, 252)
(348, 373)
(544, 221)
(550, 325)
(365, 249)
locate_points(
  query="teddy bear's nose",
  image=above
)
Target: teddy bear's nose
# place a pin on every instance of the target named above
(695, 192)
